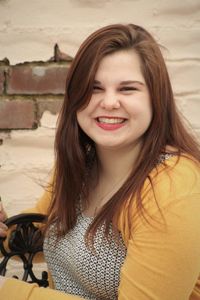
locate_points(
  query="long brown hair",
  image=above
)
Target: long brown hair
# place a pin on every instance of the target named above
(75, 151)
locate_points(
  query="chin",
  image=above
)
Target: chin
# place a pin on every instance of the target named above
(110, 145)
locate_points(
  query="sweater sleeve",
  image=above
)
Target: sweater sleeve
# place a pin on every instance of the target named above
(42, 207)
(163, 257)
(14, 289)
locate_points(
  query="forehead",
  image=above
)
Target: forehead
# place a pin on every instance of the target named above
(120, 65)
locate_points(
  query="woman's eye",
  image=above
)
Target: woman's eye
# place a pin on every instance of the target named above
(128, 88)
(97, 88)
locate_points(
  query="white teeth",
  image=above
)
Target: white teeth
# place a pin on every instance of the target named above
(110, 120)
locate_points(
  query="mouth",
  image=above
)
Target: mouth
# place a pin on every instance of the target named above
(110, 123)
(110, 120)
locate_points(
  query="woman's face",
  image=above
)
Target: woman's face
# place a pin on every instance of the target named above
(119, 111)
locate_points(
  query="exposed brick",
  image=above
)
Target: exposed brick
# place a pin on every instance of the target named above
(17, 114)
(41, 79)
(1, 81)
(53, 105)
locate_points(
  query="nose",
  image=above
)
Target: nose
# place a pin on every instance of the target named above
(110, 101)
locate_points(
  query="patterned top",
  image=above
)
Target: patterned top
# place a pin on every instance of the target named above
(78, 270)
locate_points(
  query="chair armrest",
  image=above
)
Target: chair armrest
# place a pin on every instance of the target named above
(24, 241)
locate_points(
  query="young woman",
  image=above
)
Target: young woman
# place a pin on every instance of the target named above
(124, 201)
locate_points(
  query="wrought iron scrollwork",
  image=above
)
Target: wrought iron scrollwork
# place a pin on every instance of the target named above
(25, 241)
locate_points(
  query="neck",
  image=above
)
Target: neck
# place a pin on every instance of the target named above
(112, 170)
(115, 164)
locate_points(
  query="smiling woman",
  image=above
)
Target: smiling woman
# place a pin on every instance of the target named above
(124, 200)
(120, 102)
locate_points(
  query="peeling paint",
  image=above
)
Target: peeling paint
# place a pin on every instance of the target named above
(39, 71)
(48, 120)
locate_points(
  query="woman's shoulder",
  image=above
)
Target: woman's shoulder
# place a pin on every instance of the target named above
(173, 187)
(179, 175)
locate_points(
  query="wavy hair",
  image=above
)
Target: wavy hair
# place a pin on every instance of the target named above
(75, 151)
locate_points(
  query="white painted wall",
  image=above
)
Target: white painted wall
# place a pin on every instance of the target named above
(34, 26)
(29, 30)
(26, 159)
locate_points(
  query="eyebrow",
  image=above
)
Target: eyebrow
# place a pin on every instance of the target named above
(124, 82)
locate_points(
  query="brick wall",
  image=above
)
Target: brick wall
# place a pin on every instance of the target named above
(28, 89)
(31, 94)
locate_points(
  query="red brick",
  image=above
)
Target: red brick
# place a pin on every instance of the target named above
(2, 78)
(17, 114)
(41, 79)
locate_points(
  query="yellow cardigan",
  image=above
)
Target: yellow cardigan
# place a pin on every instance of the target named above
(163, 258)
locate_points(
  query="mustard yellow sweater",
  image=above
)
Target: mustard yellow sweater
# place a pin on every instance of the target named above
(163, 258)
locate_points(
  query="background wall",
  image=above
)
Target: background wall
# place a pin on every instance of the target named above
(31, 85)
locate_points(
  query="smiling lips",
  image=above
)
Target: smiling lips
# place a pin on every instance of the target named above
(110, 123)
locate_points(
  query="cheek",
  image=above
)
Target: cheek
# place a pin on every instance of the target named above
(142, 114)
(142, 106)
(93, 104)
(84, 118)
(80, 118)
(78, 115)
(140, 109)
(87, 111)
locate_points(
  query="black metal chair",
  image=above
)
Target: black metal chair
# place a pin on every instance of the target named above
(24, 242)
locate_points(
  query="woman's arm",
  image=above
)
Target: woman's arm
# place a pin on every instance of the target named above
(163, 257)
(164, 264)
(13, 289)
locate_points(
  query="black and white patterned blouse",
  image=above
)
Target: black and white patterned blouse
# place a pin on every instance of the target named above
(79, 271)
